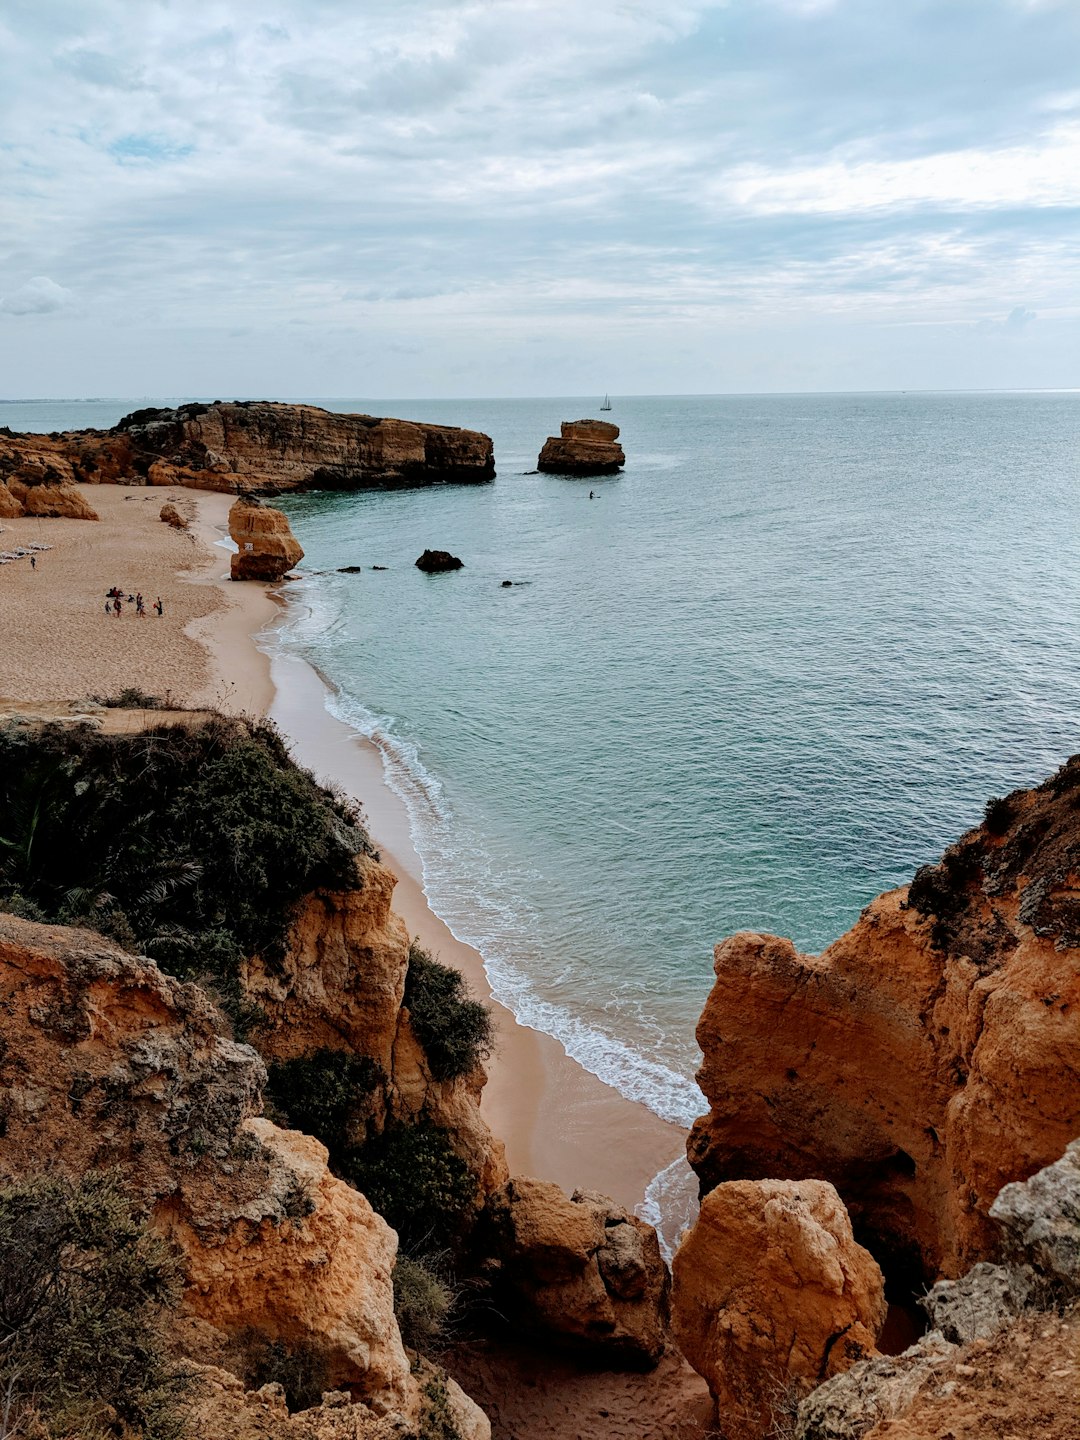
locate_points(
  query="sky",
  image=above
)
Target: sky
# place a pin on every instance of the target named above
(451, 198)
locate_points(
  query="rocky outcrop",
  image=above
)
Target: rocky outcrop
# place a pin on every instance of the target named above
(771, 1295)
(339, 986)
(432, 562)
(37, 479)
(1003, 1353)
(927, 1058)
(582, 1272)
(585, 447)
(267, 547)
(108, 1063)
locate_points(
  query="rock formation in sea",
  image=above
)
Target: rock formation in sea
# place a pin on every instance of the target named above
(927, 1058)
(260, 446)
(585, 447)
(434, 562)
(267, 548)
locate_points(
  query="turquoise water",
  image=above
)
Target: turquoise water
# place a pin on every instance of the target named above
(782, 660)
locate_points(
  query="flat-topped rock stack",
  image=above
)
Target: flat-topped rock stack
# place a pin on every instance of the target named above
(585, 447)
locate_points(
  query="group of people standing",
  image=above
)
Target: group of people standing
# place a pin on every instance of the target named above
(114, 603)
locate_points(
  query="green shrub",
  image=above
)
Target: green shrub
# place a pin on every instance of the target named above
(189, 842)
(300, 1370)
(422, 1303)
(321, 1092)
(415, 1180)
(436, 1418)
(84, 1289)
(455, 1030)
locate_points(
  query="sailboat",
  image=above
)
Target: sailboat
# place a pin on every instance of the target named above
(607, 403)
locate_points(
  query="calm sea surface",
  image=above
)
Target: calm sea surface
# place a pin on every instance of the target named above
(775, 665)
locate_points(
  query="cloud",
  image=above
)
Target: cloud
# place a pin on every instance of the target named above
(1015, 322)
(39, 296)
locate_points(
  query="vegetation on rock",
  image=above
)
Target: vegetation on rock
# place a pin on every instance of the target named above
(318, 1093)
(423, 1302)
(412, 1176)
(455, 1031)
(85, 1290)
(190, 843)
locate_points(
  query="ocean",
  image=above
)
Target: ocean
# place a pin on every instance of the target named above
(774, 666)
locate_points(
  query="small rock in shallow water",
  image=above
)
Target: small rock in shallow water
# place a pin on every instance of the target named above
(506, 584)
(433, 561)
(350, 569)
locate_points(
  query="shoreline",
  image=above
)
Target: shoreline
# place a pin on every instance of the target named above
(214, 648)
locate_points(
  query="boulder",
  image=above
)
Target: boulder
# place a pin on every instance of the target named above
(433, 562)
(172, 516)
(585, 447)
(582, 1272)
(925, 1060)
(350, 569)
(268, 548)
(771, 1294)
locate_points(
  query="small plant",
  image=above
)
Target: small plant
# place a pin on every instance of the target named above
(300, 1370)
(437, 1418)
(413, 1177)
(321, 1093)
(455, 1030)
(84, 1290)
(130, 698)
(423, 1302)
(999, 814)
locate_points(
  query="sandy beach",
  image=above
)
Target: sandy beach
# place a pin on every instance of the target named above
(558, 1121)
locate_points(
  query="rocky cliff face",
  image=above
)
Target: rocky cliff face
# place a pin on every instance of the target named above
(267, 547)
(339, 986)
(928, 1057)
(35, 479)
(260, 446)
(585, 447)
(108, 1063)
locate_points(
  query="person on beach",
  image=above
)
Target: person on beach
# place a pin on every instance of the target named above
(117, 607)
(140, 608)
(33, 562)
(159, 607)
(108, 607)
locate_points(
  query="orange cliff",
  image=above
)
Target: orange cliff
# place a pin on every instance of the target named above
(928, 1057)
(257, 446)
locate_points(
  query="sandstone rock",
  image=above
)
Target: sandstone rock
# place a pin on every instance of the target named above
(585, 447)
(432, 562)
(928, 1057)
(772, 1294)
(581, 1272)
(262, 446)
(268, 548)
(107, 1062)
(172, 516)
(9, 506)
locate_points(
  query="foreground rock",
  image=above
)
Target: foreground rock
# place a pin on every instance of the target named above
(259, 446)
(267, 547)
(585, 447)
(771, 1295)
(582, 1272)
(109, 1063)
(1003, 1354)
(434, 562)
(927, 1058)
(39, 483)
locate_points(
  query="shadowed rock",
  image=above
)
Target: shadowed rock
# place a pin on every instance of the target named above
(433, 562)
(585, 447)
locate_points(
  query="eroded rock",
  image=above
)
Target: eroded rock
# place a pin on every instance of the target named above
(433, 562)
(585, 447)
(771, 1295)
(580, 1271)
(267, 547)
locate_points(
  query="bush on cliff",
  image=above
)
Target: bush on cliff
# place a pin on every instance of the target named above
(423, 1301)
(84, 1292)
(320, 1093)
(191, 842)
(417, 1182)
(455, 1031)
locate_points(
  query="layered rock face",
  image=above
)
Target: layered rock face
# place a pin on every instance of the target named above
(585, 447)
(267, 547)
(928, 1057)
(37, 481)
(108, 1063)
(580, 1272)
(339, 986)
(771, 1295)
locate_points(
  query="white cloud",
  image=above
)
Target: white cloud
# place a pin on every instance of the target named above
(39, 296)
